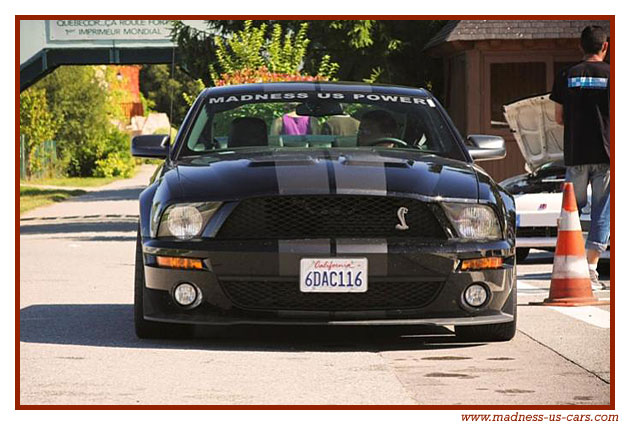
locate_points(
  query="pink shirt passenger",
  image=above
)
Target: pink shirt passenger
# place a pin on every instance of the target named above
(295, 125)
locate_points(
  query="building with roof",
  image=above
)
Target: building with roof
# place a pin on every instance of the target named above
(490, 63)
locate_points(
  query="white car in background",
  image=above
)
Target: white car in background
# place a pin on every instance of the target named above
(538, 193)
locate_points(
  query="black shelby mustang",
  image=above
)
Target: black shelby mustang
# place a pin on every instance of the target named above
(324, 203)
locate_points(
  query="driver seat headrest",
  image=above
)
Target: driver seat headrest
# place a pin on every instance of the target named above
(247, 131)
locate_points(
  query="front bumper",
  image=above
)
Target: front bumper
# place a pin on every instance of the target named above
(261, 263)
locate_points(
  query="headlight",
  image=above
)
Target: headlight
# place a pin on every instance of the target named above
(473, 221)
(186, 221)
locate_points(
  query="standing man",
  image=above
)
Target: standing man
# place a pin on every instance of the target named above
(582, 96)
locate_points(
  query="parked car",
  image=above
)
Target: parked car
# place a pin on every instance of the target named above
(538, 192)
(323, 203)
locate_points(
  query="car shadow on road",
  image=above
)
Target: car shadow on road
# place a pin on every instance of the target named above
(82, 225)
(111, 325)
(540, 257)
(535, 276)
(126, 194)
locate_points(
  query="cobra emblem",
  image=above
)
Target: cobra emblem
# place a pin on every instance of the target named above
(402, 211)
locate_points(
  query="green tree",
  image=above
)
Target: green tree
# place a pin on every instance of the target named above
(82, 99)
(374, 50)
(250, 55)
(37, 125)
(250, 47)
(158, 86)
(391, 51)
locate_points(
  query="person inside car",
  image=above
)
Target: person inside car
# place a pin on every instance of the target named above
(341, 125)
(292, 124)
(376, 125)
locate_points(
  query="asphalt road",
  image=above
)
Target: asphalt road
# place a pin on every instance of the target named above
(77, 344)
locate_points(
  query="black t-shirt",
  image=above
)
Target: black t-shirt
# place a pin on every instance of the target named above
(584, 92)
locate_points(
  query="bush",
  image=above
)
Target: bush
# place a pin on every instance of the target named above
(114, 156)
(116, 164)
(115, 141)
(84, 99)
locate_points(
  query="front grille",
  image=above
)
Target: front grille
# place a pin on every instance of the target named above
(336, 216)
(286, 295)
(541, 232)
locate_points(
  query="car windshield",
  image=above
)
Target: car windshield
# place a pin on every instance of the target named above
(290, 120)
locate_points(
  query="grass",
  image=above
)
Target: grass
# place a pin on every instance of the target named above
(72, 181)
(32, 197)
(75, 181)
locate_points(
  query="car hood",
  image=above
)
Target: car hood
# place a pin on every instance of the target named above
(538, 135)
(246, 173)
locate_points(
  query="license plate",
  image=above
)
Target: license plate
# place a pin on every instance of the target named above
(333, 275)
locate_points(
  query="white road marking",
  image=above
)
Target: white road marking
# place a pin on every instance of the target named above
(526, 288)
(589, 314)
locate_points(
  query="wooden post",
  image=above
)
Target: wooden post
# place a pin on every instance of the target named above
(473, 92)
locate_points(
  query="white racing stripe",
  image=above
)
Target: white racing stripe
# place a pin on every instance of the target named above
(354, 176)
(290, 252)
(377, 264)
(361, 246)
(311, 179)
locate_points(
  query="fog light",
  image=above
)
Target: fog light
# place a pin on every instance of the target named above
(475, 295)
(185, 294)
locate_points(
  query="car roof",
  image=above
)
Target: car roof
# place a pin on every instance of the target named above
(315, 86)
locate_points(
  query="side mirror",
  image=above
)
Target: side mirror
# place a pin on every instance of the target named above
(485, 148)
(150, 145)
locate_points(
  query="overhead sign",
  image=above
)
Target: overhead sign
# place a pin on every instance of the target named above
(109, 29)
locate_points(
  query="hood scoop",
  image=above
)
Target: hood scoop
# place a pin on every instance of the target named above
(282, 162)
(371, 161)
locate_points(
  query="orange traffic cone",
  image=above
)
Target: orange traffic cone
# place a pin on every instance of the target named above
(570, 281)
